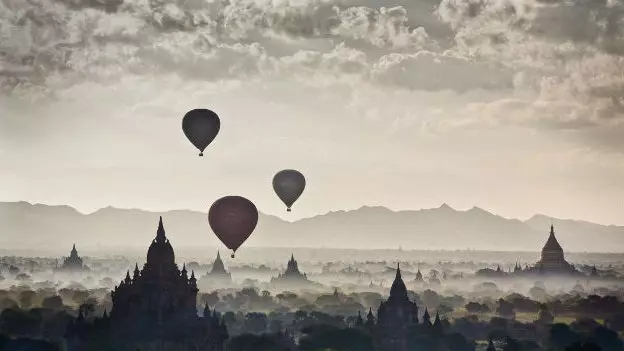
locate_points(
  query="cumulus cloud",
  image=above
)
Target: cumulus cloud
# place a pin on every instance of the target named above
(552, 64)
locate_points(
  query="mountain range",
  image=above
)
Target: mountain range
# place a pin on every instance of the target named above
(26, 225)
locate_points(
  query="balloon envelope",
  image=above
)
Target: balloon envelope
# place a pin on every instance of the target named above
(233, 219)
(201, 126)
(289, 185)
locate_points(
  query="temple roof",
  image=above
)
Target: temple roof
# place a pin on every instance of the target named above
(552, 244)
(218, 266)
(398, 289)
(160, 251)
(74, 252)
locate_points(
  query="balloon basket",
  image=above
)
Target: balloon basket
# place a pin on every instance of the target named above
(232, 255)
(288, 210)
(201, 154)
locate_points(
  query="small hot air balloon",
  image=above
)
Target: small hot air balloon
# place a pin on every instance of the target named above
(233, 219)
(289, 185)
(201, 126)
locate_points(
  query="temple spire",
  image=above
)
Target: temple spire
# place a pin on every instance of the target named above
(398, 290)
(160, 234)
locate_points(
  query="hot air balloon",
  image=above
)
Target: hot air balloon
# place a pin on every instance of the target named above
(289, 185)
(233, 219)
(201, 126)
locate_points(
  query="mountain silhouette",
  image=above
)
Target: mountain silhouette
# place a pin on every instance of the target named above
(26, 225)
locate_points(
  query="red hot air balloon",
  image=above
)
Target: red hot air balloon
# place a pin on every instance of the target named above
(233, 219)
(201, 126)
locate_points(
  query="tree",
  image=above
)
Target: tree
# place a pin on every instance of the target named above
(7, 303)
(212, 299)
(336, 339)
(561, 336)
(255, 323)
(26, 299)
(583, 346)
(251, 342)
(53, 302)
(87, 309)
(444, 310)
(475, 307)
(505, 309)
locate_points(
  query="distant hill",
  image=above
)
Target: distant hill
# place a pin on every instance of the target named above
(25, 225)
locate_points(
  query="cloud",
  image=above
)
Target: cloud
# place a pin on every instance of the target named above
(541, 64)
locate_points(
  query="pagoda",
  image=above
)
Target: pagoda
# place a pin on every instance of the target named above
(218, 275)
(552, 260)
(156, 304)
(292, 275)
(73, 263)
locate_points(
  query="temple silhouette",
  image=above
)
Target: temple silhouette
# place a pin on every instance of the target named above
(73, 263)
(397, 325)
(155, 308)
(292, 273)
(218, 275)
(552, 259)
(552, 262)
(292, 276)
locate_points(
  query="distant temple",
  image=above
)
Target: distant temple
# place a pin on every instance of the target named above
(155, 304)
(292, 275)
(553, 260)
(217, 275)
(292, 272)
(397, 320)
(73, 263)
(419, 276)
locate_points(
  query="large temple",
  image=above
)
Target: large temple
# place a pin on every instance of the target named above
(155, 306)
(73, 263)
(396, 316)
(397, 326)
(552, 260)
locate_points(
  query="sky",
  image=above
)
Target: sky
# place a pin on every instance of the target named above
(513, 106)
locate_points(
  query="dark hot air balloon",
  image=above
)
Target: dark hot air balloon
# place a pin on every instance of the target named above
(233, 219)
(289, 185)
(201, 126)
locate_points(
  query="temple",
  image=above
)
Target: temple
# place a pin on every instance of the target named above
(397, 327)
(217, 275)
(292, 275)
(552, 259)
(73, 263)
(292, 272)
(396, 316)
(156, 303)
(419, 276)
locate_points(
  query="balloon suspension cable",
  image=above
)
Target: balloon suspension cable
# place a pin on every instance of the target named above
(288, 209)
(201, 154)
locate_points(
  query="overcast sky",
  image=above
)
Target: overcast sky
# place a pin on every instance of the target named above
(512, 106)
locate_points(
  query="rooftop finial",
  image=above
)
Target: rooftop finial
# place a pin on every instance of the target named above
(160, 234)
